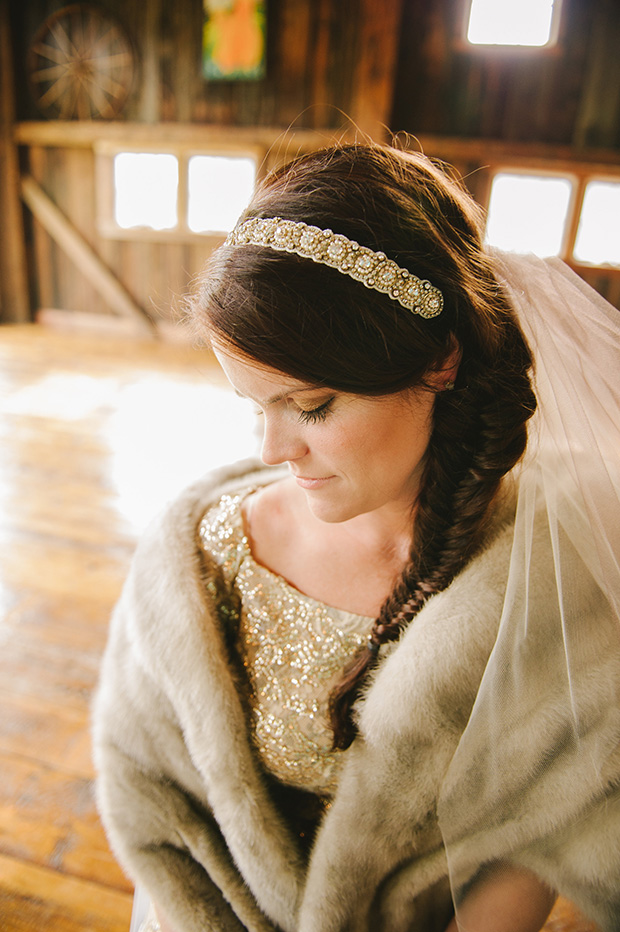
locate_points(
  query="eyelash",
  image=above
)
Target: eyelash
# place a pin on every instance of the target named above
(316, 414)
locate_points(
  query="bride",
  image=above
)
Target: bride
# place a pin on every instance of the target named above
(374, 683)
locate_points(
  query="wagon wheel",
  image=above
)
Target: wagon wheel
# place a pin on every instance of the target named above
(80, 65)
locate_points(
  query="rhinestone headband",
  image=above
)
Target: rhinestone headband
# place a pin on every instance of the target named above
(364, 265)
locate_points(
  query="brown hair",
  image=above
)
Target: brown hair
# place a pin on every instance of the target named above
(316, 324)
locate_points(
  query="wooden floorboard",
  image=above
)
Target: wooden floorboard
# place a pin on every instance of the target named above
(95, 435)
(39, 898)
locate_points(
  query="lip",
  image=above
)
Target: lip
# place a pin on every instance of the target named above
(311, 484)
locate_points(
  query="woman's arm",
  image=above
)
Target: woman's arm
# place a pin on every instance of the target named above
(506, 899)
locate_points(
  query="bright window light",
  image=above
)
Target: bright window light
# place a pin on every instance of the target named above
(145, 190)
(527, 213)
(598, 235)
(219, 189)
(511, 22)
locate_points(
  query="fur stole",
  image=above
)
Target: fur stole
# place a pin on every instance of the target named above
(185, 804)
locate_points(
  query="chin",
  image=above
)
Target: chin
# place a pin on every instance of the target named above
(331, 512)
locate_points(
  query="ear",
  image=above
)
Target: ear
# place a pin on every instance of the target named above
(442, 378)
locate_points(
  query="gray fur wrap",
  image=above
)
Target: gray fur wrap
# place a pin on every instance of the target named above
(187, 809)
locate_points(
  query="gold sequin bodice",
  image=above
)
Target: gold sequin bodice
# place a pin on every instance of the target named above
(293, 648)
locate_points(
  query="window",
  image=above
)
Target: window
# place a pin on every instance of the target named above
(598, 233)
(528, 213)
(573, 216)
(522, 23)
(146, 186)
(168, 195)
(219, 188)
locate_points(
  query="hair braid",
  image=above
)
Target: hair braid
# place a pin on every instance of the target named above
(462, 476)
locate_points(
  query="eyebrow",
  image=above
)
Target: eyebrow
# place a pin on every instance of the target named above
(281, 395)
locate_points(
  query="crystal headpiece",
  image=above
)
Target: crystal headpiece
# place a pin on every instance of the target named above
(339, 252)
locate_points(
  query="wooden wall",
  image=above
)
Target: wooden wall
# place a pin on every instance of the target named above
(153, 275)
(327, 58)
(568, 95)
(324, 58)
(333, 66)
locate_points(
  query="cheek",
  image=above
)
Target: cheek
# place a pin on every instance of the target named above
(395, 438)
(402, 439)
(368, 446)
(356, 438)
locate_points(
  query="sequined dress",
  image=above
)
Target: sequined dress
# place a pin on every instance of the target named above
(293, 649)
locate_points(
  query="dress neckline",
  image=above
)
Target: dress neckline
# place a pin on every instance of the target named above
(246, 554)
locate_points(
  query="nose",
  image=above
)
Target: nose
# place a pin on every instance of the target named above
(281, 442)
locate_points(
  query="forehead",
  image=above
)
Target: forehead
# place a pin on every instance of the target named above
(255, 380)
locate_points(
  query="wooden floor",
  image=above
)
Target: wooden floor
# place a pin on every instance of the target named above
(95, 435)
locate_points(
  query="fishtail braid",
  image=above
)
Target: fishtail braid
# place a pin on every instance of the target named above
(478, 436)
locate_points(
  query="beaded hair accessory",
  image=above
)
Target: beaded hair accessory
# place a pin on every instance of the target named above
(372, 269)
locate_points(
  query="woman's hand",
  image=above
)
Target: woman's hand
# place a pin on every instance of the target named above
(506, 899)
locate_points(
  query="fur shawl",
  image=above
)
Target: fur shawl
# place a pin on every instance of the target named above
(193, 819)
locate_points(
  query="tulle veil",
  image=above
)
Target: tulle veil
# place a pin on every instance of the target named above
(535, 780)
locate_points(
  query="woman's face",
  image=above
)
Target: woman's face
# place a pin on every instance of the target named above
(350, 454)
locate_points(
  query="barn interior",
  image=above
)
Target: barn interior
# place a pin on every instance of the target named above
(107, 406)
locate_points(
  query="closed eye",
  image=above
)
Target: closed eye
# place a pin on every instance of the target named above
(316, 414)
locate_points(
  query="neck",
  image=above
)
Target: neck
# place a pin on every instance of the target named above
(383, 536)
(386, 532)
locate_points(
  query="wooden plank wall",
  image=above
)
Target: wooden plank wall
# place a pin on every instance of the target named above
(325, 59)
(566, 95)
(332, 64)
(320, 53)
(403, 63)
(155, 274)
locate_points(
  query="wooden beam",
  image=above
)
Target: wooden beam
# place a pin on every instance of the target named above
(99, 134)
(84, 256)
(491, 151)
(88, 133)
(149, 107)
(375, 74)
(14, 295)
